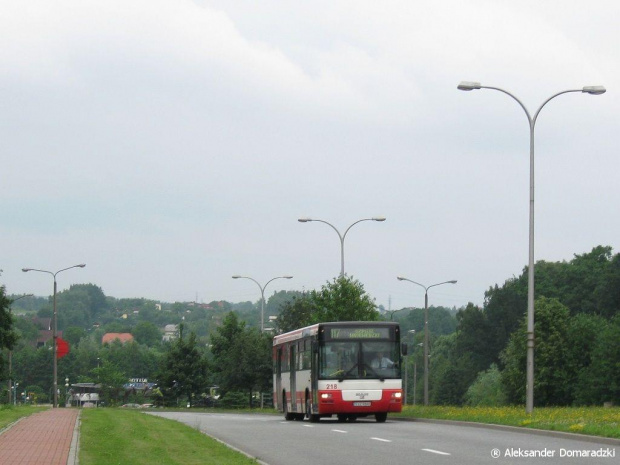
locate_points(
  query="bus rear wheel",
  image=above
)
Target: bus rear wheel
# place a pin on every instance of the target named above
(288, 416)
(381, 417)
(309, 415)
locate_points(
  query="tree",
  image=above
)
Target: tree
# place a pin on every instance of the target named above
(184, 369)
(552, 374)
(294, 313)
(487, 390)
(112, 379)
(600, 382)
(241, 357)
(8, 337)
(343, 299)
(147, 333)
(73, 334)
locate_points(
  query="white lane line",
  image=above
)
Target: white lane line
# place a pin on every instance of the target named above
(309, 426)
(436, 452)
(339, 431)
(381, 439)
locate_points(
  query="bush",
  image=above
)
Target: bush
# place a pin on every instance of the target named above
(234, 399)
(487, 390)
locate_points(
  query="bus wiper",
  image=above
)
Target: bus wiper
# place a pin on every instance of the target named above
(347, 373)
(374, 372)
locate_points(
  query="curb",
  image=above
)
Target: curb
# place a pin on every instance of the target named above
(73, 458)
(10, 425)
(518, 429)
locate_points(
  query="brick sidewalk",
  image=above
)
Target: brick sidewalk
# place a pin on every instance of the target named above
(43, 438)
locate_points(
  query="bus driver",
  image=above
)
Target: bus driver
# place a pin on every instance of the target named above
(382, 362)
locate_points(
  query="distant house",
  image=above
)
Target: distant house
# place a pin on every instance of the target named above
(84, 395)
(110, 337)
(45, 331)
(170, 332)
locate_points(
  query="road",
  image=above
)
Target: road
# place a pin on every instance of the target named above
(277, 442)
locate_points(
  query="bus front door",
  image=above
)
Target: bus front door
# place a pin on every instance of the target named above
(278, 397)
(293, 373)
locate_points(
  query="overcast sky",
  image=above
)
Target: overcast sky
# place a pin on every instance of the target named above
(171, 144)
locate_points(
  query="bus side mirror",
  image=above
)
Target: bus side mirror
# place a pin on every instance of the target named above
(315, 347)
(403, 348)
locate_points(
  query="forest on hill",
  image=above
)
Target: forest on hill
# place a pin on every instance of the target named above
(477, 353)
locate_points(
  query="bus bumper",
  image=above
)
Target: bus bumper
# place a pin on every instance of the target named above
(331, 402)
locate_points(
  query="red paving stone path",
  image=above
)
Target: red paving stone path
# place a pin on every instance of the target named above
(43, 438)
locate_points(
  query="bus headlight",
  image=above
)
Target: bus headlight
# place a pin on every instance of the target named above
(326, 395)
(397, 395)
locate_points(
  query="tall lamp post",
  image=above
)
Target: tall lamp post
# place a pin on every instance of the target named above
(341, 236)
(262, 293)
(592, 90)
(55, 325)
(426, 288)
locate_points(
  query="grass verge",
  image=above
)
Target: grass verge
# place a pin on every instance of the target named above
(9, 413)
(596, 421)
(116, 436)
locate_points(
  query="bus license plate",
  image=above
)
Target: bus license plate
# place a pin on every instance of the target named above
(361, 404)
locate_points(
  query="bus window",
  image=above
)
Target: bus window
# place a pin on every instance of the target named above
(380, 359)
(285, 358)
(339, 360)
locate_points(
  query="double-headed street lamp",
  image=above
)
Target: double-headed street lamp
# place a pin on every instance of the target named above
(341, 236)
(426, 288)
(55, 325)
(592, 90)
(262, 293)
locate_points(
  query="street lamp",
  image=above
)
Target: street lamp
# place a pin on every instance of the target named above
(66, 390)
(592, 90)
(262, 293)
(426, 288)
(341, 236)
(55, 325)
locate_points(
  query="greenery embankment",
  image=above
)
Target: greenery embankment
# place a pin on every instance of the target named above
(109, 436)
(596, 421)
(9, 414)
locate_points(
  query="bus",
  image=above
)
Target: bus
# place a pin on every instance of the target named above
(349, 369)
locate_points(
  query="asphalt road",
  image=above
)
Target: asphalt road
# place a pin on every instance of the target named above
(277, 442)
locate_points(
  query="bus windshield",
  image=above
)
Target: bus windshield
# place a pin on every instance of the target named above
(359, 360)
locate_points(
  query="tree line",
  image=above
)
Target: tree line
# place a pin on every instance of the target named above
(577, 329)
(477, 352)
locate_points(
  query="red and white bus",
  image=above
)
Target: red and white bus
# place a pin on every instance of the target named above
(349, 369)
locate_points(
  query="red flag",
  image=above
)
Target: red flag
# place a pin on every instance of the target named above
(62, 347)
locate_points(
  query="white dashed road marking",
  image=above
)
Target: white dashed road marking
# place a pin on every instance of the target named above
(436, 452)
(381, 439)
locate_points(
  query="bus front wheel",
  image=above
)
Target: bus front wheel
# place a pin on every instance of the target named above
(381, 417)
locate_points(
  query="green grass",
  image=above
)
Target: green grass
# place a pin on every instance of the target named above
(111, 436)
(9, 414)
(596, 421)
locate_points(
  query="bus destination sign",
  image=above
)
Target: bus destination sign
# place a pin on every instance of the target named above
(359, 333)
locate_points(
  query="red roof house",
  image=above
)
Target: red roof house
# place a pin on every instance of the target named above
(110, 337)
